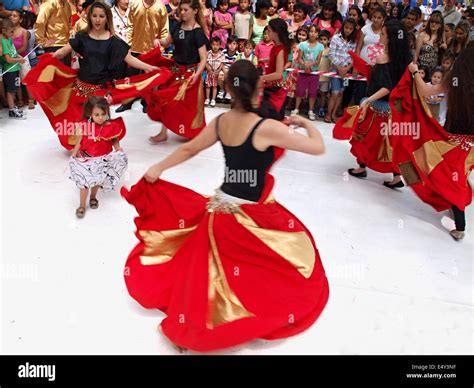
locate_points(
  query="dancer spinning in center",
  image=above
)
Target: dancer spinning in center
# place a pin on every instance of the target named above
(237, 266)
(370, 139)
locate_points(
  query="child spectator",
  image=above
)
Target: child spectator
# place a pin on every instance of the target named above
(243, 22)
(215, 64)
(230, 54)
(309, 57)
(248, 53)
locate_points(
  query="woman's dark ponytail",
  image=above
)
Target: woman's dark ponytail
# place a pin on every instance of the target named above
(242, 80)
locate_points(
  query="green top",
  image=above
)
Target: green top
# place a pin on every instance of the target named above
(9, 48)
(257, 32)
(252, 58)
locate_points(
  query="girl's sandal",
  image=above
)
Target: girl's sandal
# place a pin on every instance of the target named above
(80, 212)
(94, 203)
(31, 104)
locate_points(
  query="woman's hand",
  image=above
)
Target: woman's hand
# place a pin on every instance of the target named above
(194, 78)
(150, 68)
(153, 173)
(364, 105)
(156, 42)
(412, 67)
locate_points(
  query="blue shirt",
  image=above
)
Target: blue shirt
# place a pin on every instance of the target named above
(10, 5)
(310, 54)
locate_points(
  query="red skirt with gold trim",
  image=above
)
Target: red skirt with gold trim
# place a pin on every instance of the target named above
(62, 95)
(224, 275)
(177, 104)
(370, 145)
(434, 163)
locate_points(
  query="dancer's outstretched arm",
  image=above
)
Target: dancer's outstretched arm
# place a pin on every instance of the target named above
(275, 133)
(137, 64)
(206, 138)
(62, 52)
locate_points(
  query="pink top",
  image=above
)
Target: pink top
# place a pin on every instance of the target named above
(330, 29)
(18, 43)
(221, 32)
(262, 51)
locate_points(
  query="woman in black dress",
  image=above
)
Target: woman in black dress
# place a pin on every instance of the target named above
(101, 61)
(184, 116)
(370, 139)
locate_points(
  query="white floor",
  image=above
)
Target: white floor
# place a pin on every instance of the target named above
(399, 283)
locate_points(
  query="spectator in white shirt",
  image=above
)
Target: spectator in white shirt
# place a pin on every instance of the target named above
(449, 12)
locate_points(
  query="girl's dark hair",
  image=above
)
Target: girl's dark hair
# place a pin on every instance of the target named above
(439, 35)
(301, 7)
(437, 69)
(281, 28)
(242, 79)
(398, 49)
(380, 10)
(261, 4)
(426, 69)
(302, 29)
(232, 38)
(95, 101)
(361, 21)
(216, 39)
(325, 33)
(222, 2)
(331, 6)
(460, 85)
(29, 20)
(352, 37)
(450, 25)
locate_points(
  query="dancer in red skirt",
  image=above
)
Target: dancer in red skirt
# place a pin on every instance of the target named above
(274, 92)
(62, 91)
(236, 266)
(371, 124)
(179, 105)
(437, 163)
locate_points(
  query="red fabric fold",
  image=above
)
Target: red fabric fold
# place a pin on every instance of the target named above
(447, 183)
(63, 102)
(361, 66)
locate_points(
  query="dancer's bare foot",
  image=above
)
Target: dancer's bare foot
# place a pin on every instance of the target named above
(160, 138)
(180, 349)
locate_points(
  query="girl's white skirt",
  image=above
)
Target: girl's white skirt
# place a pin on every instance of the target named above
(103, 171)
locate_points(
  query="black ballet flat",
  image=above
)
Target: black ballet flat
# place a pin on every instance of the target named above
(394, 186)
(123, 108)
(362, 174)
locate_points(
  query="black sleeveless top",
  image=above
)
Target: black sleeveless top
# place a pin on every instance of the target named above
(245, 167)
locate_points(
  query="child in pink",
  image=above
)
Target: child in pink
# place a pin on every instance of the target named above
(222, 22)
